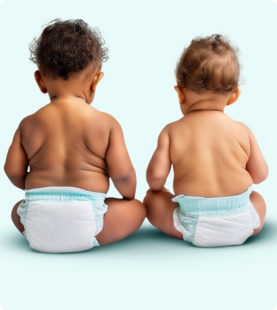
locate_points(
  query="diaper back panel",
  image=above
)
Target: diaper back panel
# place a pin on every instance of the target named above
(217, 221)
(223, 231)
(60, 226)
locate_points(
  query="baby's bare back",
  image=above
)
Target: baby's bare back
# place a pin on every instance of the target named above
(209, 152)
(66, 144)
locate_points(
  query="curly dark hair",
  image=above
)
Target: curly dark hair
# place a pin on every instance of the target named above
(209, 64)
(67, 46)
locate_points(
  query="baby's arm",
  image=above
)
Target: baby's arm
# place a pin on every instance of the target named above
(120, 168)
(16, 163)
(256, 165)
(160, 164)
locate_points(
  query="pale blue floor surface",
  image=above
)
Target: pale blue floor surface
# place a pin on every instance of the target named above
(148, 270)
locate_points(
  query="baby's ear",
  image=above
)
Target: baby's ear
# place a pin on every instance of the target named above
(234, 97)
(96, 80)
(181, 94)
(40, 82)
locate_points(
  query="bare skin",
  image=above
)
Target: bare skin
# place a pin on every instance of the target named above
(212, 156)
(70, 143)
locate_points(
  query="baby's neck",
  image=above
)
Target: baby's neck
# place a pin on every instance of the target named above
(207, 101)
(207, 105)
(56, 98)
(72, 89)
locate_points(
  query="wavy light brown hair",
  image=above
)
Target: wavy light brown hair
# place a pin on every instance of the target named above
(67, 46)
(209, 64)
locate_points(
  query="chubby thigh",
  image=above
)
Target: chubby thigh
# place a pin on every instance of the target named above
(61, 226)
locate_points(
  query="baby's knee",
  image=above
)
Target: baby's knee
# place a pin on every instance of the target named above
(154, 209)
(151, 203)
(153, 199)
(257, 197)
(147, 199)
(258, 203)
(260, 206)
(16, 218)
(139, 208)
(14, 214)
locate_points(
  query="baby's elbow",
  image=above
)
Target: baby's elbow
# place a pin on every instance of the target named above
(257, 180)
(155, 180)
(7, 170)
(124, 175)
(154, 174)
(12, 174)
(261, 177)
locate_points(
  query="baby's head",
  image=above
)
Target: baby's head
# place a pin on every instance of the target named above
(208, 67)
(67, 50)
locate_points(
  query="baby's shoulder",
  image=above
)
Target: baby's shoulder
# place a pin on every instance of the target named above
(102, 123)
(28, 122)
(242, 128)
(242, 125)
(35, 119)
(39, 115)
(105, 120)
(174, 127)
(227, 124)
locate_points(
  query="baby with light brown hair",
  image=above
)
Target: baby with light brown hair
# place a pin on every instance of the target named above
(215, 159)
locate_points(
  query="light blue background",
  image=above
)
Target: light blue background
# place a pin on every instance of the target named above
(147, 270)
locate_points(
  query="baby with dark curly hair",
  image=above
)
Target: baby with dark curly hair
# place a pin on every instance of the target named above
(215, 159)
(72, 150)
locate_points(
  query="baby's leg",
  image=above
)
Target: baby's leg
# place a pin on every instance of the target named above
(16, 217)
(259, 204)
(122, 219)
(159, 208)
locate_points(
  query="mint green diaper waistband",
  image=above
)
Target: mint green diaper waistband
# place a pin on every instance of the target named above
(61, 193)
(197, 205)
